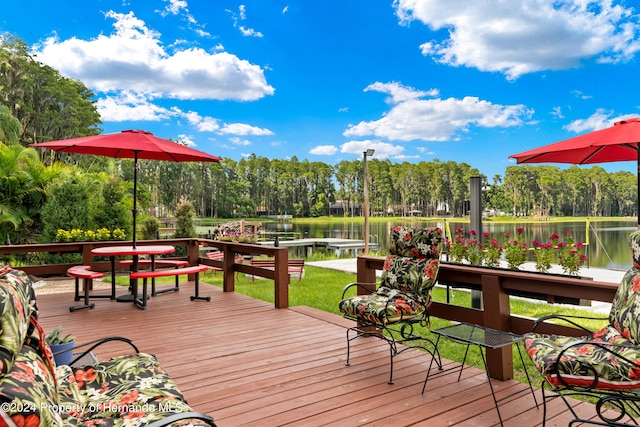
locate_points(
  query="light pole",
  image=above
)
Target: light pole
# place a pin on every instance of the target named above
(366, 154)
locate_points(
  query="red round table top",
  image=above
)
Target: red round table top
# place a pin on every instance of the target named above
(130, 250)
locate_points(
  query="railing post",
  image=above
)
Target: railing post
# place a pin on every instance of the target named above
(282, 278)
(193, 255)
(228, 273)
(499, 361)
(365, 273)
(87, 258)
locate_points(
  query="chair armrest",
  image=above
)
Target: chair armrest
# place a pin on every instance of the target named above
(358, 285)
(568, 319)
(96, 343)
(183, 416)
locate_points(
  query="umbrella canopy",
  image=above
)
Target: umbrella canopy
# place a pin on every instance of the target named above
(130, 144)
(621, 142)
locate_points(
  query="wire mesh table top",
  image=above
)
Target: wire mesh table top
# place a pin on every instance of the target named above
(478, 335)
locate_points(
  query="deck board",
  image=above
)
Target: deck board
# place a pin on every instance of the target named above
(248, 364)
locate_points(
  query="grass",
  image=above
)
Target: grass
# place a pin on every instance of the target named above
(322, 288)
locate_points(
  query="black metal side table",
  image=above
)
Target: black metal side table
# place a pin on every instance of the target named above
(486, 338)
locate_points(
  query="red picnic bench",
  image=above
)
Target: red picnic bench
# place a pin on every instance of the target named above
(293, 266)
(84, 272)
(153, 263)
(145, 274)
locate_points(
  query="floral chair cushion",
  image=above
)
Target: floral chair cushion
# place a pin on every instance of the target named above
(412, 242)
(625, 310)
(408, 275)
(575, 366)
(17, 303)
(29, 392)
(610, 357)
(123, 391)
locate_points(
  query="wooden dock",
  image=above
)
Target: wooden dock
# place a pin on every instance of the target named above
(247, 363)
(327, 243)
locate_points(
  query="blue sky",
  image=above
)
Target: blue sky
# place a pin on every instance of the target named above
(324, 80)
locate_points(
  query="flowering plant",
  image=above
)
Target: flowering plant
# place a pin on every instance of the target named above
(493, 251)
(515, 250)
(569, 253)
(457, 247)
(233, 236)
(473, 251)
(570, 256)
(78, 235)
(544, 253)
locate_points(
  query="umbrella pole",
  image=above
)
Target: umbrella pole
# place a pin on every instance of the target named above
(638, 177)
(135, 197)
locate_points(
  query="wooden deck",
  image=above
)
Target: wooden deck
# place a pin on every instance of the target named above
(248, 364)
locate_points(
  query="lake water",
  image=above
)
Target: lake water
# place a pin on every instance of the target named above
(607, 248)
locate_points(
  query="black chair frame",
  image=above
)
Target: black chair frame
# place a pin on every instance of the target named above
(400, 335)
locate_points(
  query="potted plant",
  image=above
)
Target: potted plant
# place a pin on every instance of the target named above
(61, 346)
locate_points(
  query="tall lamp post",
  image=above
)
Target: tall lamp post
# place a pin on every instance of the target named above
(366, 154)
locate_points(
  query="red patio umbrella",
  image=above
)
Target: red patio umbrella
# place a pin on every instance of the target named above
(130, 144)
(621, 142)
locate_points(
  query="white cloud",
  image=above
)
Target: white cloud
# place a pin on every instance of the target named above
(399, 93)
(241, 16)
(175, 6)
(324, 150)
(599, 120)
(580, 95)
(243, 129)
(557, 112)
(129, 106)
(187, 140)
(285, 9)
(250, 32)
(406, 157)
(517, 37)
(239, 141)
(412, 118)
(133, 59)
(425, 150)
(383, 150)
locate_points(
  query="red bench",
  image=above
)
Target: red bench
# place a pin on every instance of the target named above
(84, 272)
(293, 266)
(158, 263)
(144, 275)
(219, 256)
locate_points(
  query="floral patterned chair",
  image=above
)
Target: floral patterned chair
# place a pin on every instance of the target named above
(604, 364)
(402, 298)
(131, 390)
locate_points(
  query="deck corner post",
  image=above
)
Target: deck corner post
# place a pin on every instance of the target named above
(496, 315)
(281, 296)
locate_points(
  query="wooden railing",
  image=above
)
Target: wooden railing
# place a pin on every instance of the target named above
(496, 286)
(279, 275)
